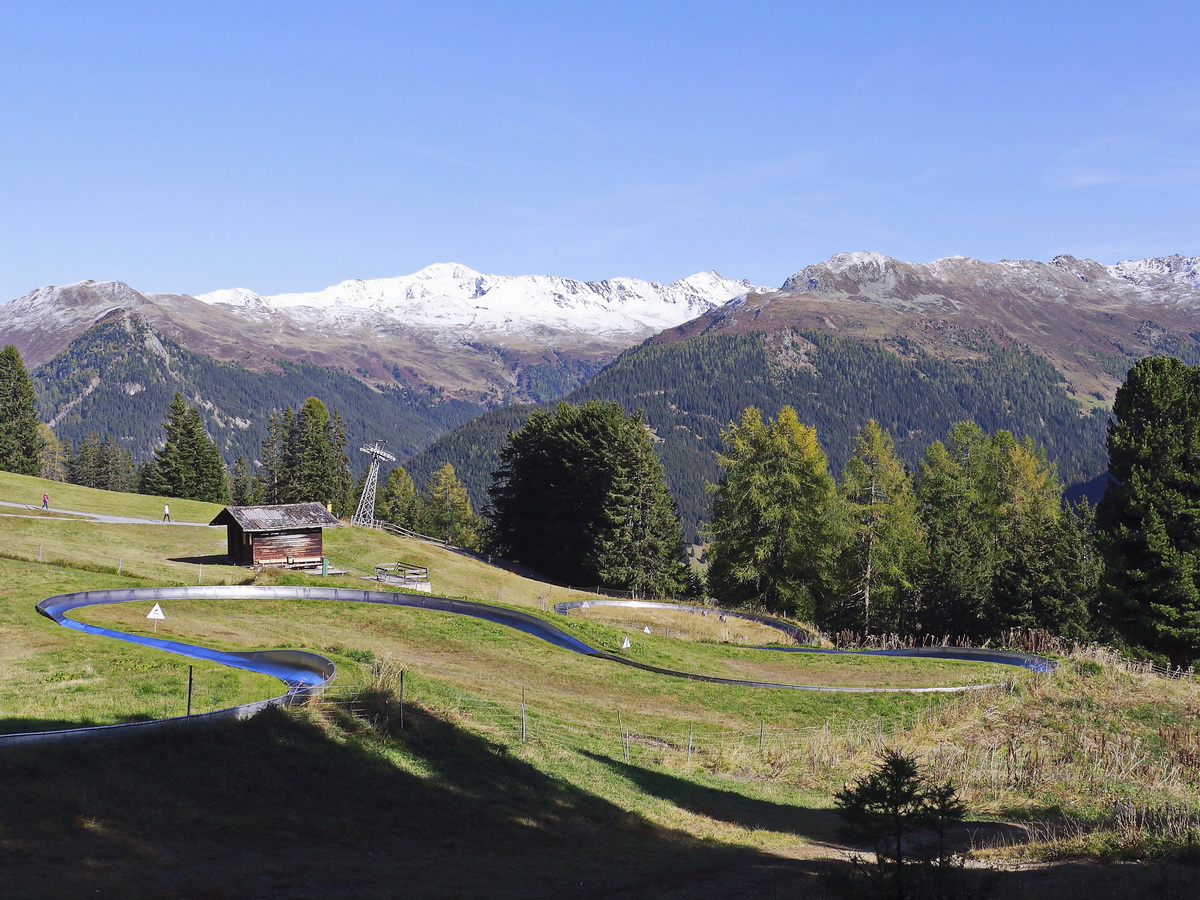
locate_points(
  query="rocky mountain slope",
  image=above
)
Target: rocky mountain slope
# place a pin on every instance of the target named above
(483, 338)
(1089, 320)
(118, 377)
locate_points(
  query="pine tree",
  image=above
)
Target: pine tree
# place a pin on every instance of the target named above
(954, 499)
(87, 466)
(276, 462)
(995, 524)
(777, 525)
(885, 552)
(1147, 521)
(117, 463)
(19, 444)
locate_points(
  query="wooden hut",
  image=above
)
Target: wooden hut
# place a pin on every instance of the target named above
(289, 534)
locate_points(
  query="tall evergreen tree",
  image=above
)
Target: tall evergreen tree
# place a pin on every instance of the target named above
(640, 547)
(320, 470)
(1149, 521)
(885, 552)
(568, 498)
(188, 464)
(117, 463)
(19, 442)
(246, 488)
(955, 500)
(87, 465)
(276, 462)
(777, 525)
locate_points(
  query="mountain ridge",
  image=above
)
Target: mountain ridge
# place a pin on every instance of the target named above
(479, 338)
(1091, 321)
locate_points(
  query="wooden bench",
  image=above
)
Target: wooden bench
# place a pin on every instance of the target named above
(293, 562)
(403, 571)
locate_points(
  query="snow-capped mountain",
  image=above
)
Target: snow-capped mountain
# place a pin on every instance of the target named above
(495, 338)
(459, 301)
(487, 338)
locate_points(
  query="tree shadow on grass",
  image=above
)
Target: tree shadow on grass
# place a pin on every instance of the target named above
(287, 806)
(213, 559)
(17, 725)
(284, 806)
(729, 806)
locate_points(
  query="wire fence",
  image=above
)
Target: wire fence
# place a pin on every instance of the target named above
(627, 737)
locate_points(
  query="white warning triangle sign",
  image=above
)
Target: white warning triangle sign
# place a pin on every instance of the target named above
(646, 629)
(625, 643)
(155, 613)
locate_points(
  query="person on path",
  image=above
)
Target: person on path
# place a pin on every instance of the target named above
(166, 512)
(45, 500)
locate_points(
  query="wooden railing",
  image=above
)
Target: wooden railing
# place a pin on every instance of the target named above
(405, 532)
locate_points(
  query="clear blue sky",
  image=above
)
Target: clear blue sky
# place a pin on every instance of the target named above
(280, 146)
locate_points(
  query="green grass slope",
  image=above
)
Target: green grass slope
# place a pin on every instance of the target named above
(605, 782)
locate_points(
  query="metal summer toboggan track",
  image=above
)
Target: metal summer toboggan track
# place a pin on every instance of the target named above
(306, 673)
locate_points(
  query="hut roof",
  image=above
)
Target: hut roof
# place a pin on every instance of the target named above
(277, 518)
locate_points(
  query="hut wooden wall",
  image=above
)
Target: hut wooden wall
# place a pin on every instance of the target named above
(275, 547)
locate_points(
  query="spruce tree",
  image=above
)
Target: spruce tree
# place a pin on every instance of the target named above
(996, 529)
(316, 457)
(19, 444)
(87, 466)
(117, 463)
(1148, 520)
(188, 464)
(956, 505)
(245, 486)
(571, 496)
(276, 458)
(640, 547)
(777, 525)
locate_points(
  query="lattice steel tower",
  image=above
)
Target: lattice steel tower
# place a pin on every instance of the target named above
(365, 514)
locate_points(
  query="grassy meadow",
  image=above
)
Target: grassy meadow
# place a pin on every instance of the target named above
(627, 784)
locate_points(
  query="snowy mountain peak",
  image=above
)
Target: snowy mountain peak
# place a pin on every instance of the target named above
(456, 299)
(860, 259)
(1177, 269)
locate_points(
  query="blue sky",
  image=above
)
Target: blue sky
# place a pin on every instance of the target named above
(288, 146)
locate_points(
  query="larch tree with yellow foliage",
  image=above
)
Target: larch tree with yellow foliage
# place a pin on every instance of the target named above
(777, 526)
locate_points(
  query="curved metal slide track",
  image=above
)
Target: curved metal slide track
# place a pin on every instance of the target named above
(305, 673)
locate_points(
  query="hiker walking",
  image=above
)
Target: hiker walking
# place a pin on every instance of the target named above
(45, 500)
(166, 512)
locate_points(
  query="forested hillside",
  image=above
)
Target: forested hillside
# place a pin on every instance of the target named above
(119, 377)
(690, 390)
